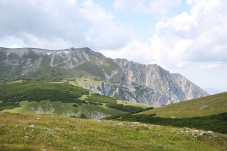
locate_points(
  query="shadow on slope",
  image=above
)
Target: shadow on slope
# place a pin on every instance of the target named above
(216, 122)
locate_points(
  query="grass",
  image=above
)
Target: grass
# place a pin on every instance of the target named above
(214, 104)
(208, 113)
(132, 104)
(51, 107)
(87, 80)
(112, 103)
(53, 133)
(69, 109)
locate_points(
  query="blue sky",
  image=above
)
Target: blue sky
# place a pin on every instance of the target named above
(183, 36)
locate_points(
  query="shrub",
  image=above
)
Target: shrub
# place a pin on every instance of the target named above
(126, 108)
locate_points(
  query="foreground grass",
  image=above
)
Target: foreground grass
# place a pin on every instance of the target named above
(48, 132)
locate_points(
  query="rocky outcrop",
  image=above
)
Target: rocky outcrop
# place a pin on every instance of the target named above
(167, 88)
(189, 89)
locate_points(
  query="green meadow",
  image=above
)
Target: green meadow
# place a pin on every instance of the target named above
(28, 132)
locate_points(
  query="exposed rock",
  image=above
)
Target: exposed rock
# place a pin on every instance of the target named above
(162, 87)
(210, 132)
(32, 126)
(189, 89)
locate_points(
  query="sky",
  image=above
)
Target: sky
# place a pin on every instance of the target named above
(182, 36)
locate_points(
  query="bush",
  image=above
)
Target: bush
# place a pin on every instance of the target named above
(100, 99)
(125, 108)
(83, 116)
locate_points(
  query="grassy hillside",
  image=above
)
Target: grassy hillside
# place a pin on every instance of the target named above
(60, 99)
(57, 133)
(208, 113)
(214, 104)
(49, 74)
(11, 94)
(98, 69)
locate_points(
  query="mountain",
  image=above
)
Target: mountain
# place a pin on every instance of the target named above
(118, 78)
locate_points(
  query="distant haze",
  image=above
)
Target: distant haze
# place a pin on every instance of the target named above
(212, 91)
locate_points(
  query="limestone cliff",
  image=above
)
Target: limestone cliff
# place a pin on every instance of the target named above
(162, 87)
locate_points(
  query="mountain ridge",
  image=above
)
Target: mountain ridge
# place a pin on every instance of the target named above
(118, 78)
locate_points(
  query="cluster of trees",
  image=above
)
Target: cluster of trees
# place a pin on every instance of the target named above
(11, 94)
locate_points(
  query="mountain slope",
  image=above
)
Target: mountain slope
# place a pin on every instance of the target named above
(214, 104)
(20, 61)
(59, 99)
(119, 78)
(208, 113)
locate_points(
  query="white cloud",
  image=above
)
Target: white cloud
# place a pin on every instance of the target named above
(135, 50)
(196, 36)
(58, 24)
(205, 75)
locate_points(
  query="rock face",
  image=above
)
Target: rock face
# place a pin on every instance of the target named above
(167, 88)
(119, 78)
(189, 89)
